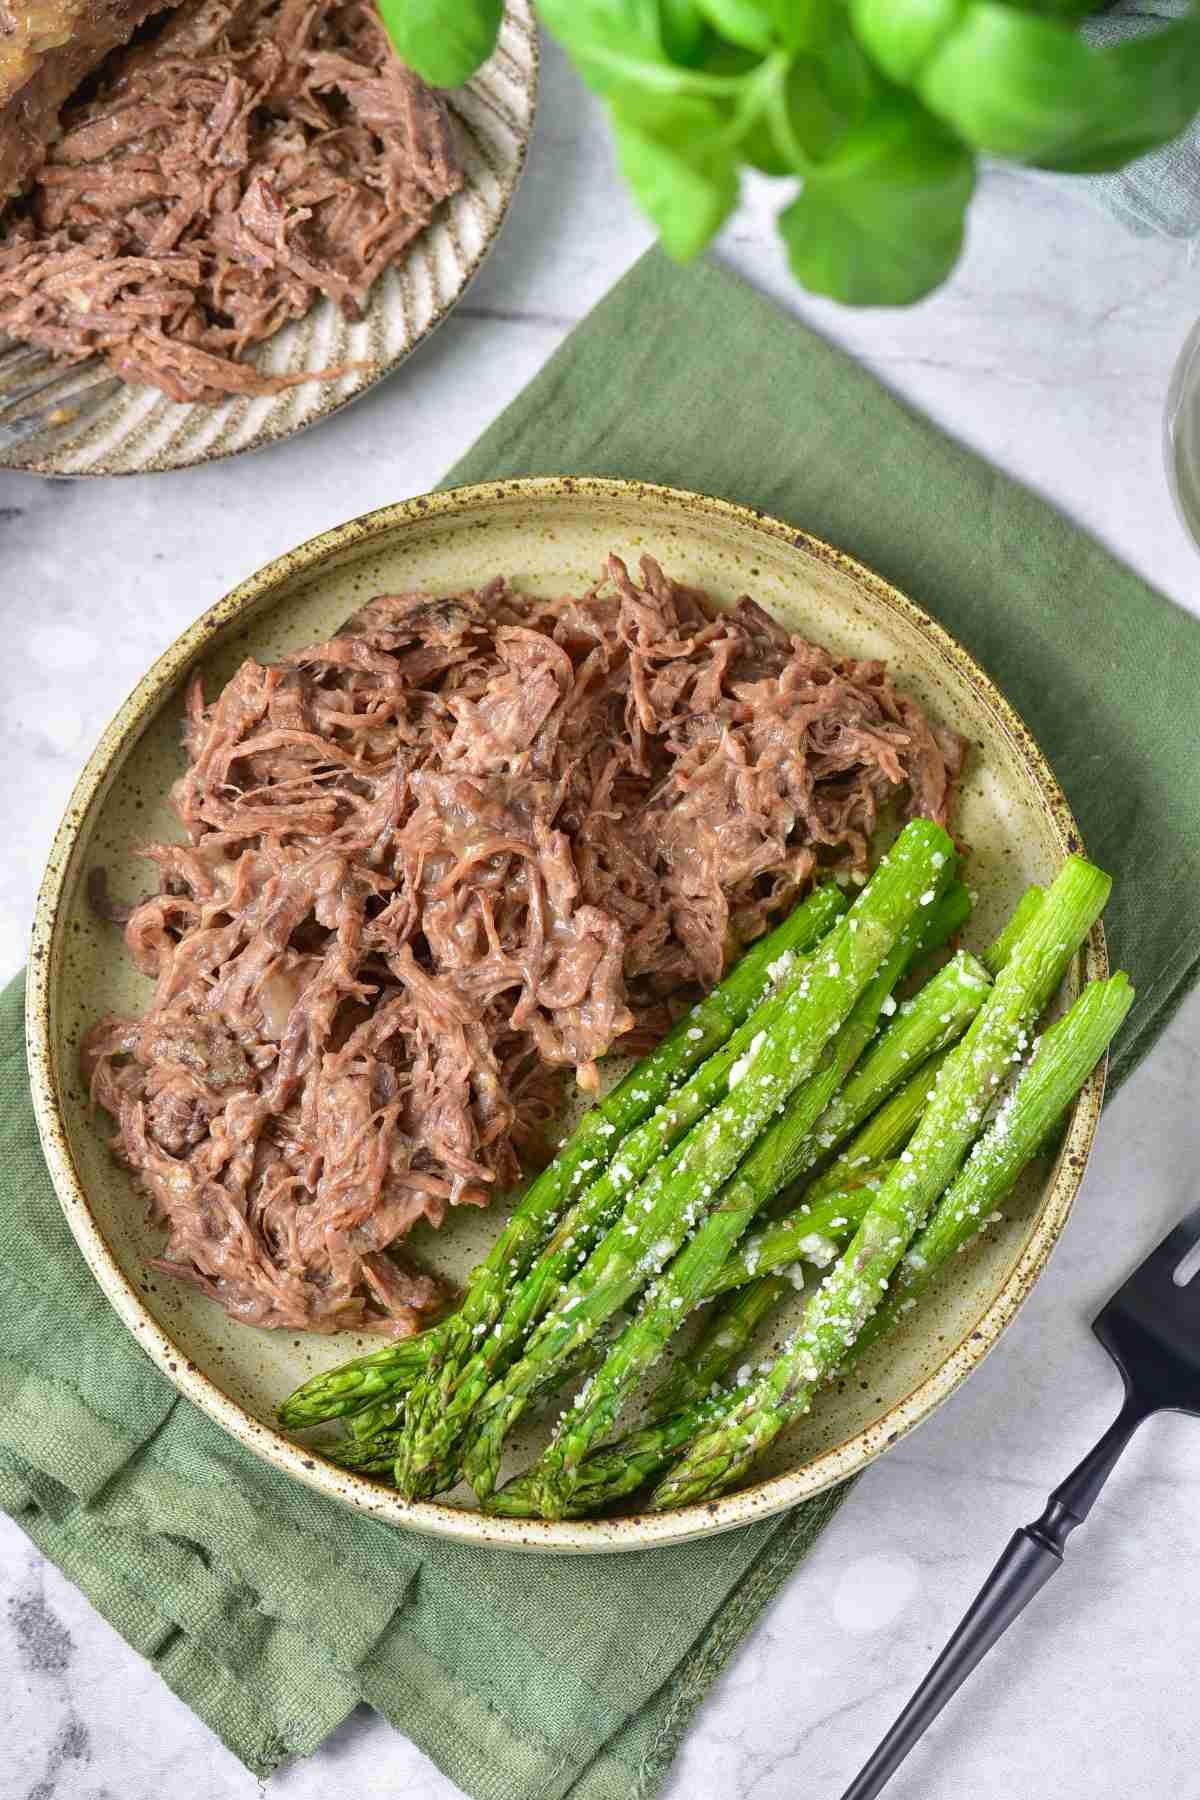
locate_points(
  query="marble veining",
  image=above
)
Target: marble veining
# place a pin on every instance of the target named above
(1050, 352)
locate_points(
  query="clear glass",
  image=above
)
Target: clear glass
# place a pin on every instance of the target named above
(1181, 437)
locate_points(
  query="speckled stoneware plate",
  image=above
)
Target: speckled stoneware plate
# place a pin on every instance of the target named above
(549, 536)
(139, 431)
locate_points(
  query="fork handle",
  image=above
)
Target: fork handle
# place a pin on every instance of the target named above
(1030, 1559)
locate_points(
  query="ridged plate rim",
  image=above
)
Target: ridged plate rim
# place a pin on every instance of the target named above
(143, 417)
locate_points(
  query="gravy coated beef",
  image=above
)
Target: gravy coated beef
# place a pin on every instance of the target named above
(47, 47)
(252, 156)
(466, 844)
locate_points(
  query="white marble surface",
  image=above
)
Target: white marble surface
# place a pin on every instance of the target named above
(1050, 351)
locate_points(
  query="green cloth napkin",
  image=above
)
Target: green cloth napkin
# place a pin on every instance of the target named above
(272, 1612)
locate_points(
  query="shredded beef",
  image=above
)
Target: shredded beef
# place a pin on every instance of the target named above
(47, 47)
(252, 156)
(466, 844)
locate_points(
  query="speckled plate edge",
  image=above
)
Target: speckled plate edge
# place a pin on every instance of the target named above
(632, 1533)
(140, 432)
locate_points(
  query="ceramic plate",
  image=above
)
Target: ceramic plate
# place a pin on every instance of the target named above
(139, 431)
(548, 536)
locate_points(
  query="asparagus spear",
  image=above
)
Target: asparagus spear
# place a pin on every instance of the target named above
(679, 1190)
(388, 1371)
(429, 1457)
(697, 1034)
(938, 1014)
(829, 1197)
(838, 1198)
(907, 1041)
(365, 1456)
(719, 1346)
(885, 1132)
(812, 1234)
(999, 951)
(384, 1414)
(615, 1469)
(848, 1296)
(378, 1448)
(773, 1161)
(1068, 1052)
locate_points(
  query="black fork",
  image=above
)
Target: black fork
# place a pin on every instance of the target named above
(1151, 1329)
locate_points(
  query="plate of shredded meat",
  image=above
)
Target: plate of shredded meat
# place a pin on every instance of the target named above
(411, 842)
(249, 213)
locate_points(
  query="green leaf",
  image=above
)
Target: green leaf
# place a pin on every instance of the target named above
(620, 48)
(612, 42)
(809, 102)
(1031, 88)
(812, 112)
(766, 25)
(759, 150)
(1062, 9)
(806, 24)
(445, 41)
(684, 30)
(694, 124)
(684, 183)
(851, 84)
(1011, 83)
(881, 223)
(747, 23)
(722, 58)
(1147, 92)
(799, 125)
(634, 25)
(901, 35)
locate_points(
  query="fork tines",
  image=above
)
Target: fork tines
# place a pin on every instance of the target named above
(39, 392)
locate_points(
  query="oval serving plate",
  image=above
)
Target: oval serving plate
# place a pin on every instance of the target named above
(140, 432)
(547, 535)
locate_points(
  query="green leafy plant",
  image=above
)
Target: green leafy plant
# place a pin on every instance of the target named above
(878, 108)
